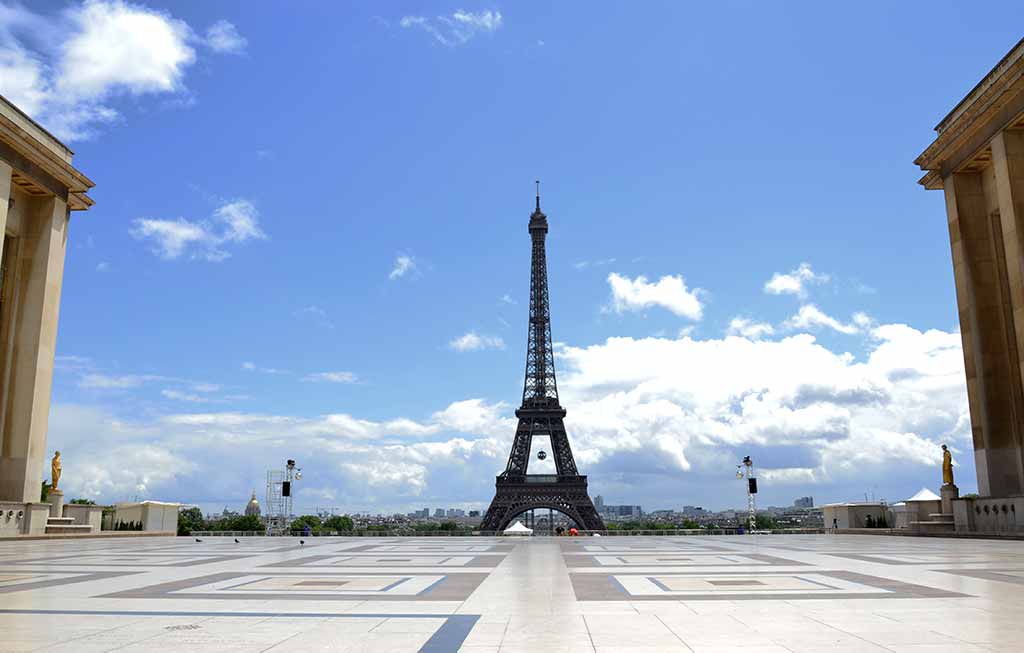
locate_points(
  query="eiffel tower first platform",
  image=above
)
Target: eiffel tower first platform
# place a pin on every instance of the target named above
(516, 491)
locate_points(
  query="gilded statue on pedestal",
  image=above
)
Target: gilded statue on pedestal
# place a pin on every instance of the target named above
(55, 470)
(947, 466)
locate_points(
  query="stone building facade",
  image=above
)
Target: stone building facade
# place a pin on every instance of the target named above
(977, 160)
(39, 188)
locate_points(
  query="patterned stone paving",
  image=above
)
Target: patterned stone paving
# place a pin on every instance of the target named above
(743, 593)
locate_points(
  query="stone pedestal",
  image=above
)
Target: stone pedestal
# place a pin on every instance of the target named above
(949, 493)
(56, 500)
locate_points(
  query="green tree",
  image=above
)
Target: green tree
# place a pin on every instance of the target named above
(339, 523)
(765, 522)
(190, 519)
(244, 523)
(83, 502)
(45, 491)
(300, 523)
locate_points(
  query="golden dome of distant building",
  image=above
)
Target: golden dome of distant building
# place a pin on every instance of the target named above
(253, 507)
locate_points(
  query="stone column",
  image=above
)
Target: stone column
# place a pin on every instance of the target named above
(948, 494)
(983, 289)
(1008, 167)
(41, 269)
(55, 498)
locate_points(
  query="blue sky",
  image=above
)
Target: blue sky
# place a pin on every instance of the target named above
(309, 242)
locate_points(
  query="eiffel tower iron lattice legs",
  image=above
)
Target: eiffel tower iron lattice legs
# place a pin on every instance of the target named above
(516, 494)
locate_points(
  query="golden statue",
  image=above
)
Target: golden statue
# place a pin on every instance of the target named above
(947, 466)
(55, 470)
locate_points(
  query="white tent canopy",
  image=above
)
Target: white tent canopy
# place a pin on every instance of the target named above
(518, 529)
(924, 495)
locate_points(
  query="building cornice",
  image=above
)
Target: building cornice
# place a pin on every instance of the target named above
(995, 103)
(46, 161)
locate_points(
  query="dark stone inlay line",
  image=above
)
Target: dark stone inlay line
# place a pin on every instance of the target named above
(187, 560)
(81, 577)
(749, 559)
(382, 560)
(605, 587)
(451, 634)
(454, 587)
(987, 574)
(446, 639)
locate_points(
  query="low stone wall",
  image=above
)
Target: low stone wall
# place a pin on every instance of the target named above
(989, 515)
(84, 515)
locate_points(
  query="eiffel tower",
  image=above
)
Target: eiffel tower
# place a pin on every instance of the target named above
(540, 414)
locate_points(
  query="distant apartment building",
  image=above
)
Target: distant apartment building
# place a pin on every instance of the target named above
(804, 502)
(621, 512)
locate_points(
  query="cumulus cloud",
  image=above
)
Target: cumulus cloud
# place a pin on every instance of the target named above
(233, 222)
(456, 28)
(795, 282)
(223, 36)
(67, 70)
(404, 265)
(663, 399)
(811, 317)
(747, 328)
(645, 415)
(473, 341)
(669, 292)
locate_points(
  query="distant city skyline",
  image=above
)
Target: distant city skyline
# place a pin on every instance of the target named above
(290, 259)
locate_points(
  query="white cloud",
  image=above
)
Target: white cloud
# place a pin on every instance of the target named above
(240, 221)
(456, 28)
(106, 382)
(473, 341)
(102, 266)
(115, 46)
(67, 69)
(223, 36)
(669, 292)
(811, 317)
(178, 395)
(507, 299)
(250, 366)
(645, 415)
(582, 265)
(171, 237)
(404, 265)
(332, 377)
(795, 282)
(233, 222)
(741, 326)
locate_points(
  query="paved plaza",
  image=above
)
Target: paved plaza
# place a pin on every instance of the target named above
(764, 593)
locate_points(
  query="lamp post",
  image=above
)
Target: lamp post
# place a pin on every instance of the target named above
(746, 470)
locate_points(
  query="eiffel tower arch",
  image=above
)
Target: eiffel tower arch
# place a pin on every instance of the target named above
(540, 414)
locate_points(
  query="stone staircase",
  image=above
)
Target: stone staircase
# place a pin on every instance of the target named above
(65, 526)
(938, 523)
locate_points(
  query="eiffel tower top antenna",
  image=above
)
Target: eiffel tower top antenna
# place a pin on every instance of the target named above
(538, 194)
